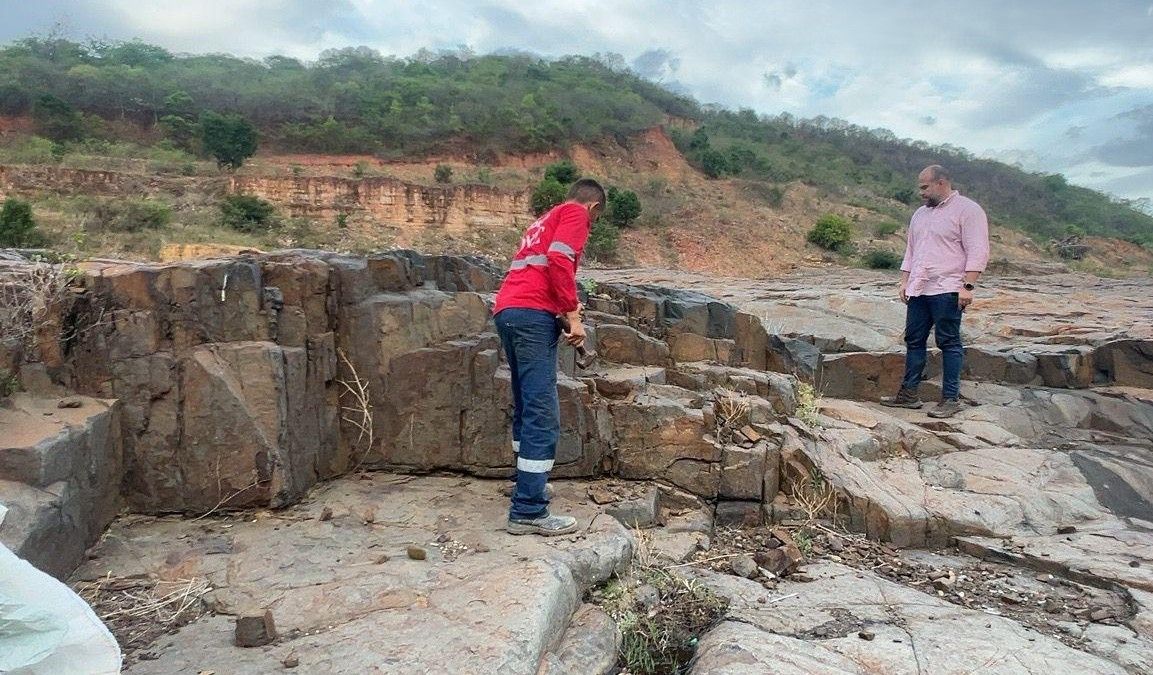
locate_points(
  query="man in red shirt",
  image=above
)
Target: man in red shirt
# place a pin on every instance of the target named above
(539, 287)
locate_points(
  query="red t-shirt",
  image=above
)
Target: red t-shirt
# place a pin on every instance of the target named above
(543, 272)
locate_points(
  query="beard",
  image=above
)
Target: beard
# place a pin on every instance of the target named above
(932, 202)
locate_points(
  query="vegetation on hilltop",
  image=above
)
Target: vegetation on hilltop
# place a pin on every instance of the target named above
(355, 100)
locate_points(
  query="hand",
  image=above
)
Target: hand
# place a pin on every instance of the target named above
(575, 335)
(901, 293)
(964, 298)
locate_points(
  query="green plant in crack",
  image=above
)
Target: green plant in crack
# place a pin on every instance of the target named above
(661, 614)
(808, 404)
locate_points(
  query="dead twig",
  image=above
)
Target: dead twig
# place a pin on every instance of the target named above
(705, 560)
(359, 412)
(224, 500)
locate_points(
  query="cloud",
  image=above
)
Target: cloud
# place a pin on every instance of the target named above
(656, 64)
(1131, 151)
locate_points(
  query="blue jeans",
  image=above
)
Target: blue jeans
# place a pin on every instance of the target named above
(943, 313)
(530, 338)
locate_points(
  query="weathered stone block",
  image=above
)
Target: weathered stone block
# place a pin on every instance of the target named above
(1070, 369)
(739, 514)
(743, 472)
(622, 344)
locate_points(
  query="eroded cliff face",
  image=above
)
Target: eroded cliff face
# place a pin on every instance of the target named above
(405, 209)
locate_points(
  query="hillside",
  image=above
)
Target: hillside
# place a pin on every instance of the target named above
(720, 189)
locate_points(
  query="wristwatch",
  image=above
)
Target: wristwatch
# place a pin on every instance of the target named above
(968, 286)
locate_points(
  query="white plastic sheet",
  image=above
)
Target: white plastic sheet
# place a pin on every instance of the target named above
(45, 628)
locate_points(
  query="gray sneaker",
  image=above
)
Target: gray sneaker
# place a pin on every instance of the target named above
(905, 398)
(946, 408)
(546, 526)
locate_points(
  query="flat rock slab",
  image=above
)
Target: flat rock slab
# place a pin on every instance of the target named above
(1111, 554)
(822, 626)
(346, 596)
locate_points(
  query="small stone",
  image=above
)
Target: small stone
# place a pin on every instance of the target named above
(291, 661)
(1066, 529)
(1011, 599)
(70, 402)
(369, 517)
(647, 597)
(744, 566)
(417, 553)
(944, 583)
(801, 577)
(442, 538)
(1134, 563)
(383, 559)
(1053, 605)
(867, 635)
(255, 631)
(1100, 614)
(325, 514)
(835, 544)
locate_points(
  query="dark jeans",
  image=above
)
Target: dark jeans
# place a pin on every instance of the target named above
(944, 314)
(530, 338)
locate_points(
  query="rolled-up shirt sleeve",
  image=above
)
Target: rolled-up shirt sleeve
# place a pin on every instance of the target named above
(975, 239)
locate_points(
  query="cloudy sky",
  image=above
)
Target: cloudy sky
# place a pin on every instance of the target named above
(1056, 85)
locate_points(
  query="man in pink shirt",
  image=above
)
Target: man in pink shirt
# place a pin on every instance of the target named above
(946, 252)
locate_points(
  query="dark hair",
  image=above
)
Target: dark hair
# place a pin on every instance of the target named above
(586, 191)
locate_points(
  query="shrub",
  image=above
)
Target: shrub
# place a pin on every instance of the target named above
(715, 163)
(442, 173)
(603, 239)
(885, 229)
(881, 259)
(128, 215)
(563, 172)
(30, 150)
(832, 232)
(623, 207)
(246, 213)
(547, 194)
(17, 226)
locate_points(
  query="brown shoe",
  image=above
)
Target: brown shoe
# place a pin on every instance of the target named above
(946, 408)
(905, 398)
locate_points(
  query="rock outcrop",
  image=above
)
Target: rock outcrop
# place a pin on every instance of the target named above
(244, 382)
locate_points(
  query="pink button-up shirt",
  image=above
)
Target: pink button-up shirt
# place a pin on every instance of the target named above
(944, 242)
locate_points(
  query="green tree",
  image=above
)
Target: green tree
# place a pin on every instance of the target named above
(832, 232)
(563, 172)
(442, 173)
(231, 139)
(17, 226)
(623, 207)
(14, 99)
(715, 163)
(547, 194)
(55, 119)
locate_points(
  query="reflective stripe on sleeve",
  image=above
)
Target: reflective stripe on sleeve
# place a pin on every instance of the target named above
(561, 247)
(535, 260)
